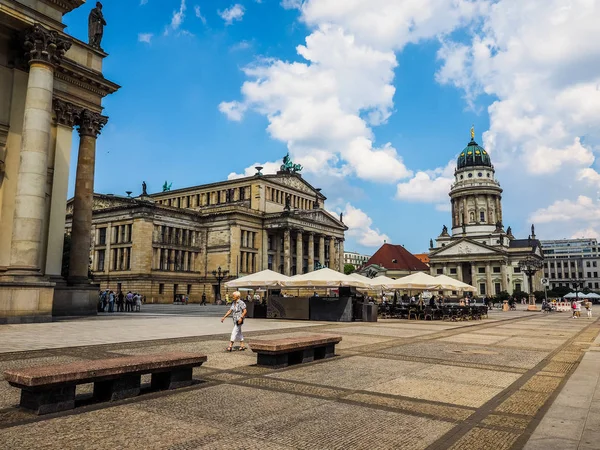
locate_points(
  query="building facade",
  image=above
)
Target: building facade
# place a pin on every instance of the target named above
(568, 260)
(50, 83)
(479, 251)
(356, 259)
(174, 242)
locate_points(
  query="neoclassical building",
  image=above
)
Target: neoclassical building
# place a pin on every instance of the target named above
(478, 250)
(50, 84)
(170, 243)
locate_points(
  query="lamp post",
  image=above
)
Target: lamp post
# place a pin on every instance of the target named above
(529, 266)
(219, 275)
(576, 283)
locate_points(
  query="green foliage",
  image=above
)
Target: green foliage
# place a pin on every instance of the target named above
(539, 295)
(502, 295)
(559, 292)
(349, 268)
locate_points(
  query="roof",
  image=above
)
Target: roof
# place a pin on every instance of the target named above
(524, 243)
(396, 257)
(423, 257)
(473, 155)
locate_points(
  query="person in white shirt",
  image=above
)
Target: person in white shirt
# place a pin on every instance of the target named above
(238, 312)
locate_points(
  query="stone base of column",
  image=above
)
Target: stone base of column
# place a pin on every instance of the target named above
(75, 300)
(531, 306)
(25, 300)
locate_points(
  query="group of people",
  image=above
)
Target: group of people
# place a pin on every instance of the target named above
(576, 307)
(130, 302)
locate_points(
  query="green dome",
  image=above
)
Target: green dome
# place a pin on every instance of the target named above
(473, 155)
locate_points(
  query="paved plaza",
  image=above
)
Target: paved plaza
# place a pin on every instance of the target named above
(515, 380)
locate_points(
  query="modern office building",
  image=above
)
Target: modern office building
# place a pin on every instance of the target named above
(356, 259)
(567, 260)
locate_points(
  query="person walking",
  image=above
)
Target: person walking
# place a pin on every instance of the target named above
(238, 312)
(203, 302)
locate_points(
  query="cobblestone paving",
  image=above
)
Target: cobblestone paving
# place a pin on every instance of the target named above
(398, 385)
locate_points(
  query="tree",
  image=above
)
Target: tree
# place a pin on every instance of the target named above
(349, 268)
(503, 295)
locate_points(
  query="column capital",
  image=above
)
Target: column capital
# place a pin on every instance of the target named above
(66, 113)
(45, 46)
(91, 123)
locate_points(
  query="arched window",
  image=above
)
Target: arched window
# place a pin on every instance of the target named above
(482, 216)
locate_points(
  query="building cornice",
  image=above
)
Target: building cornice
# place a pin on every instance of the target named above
(64, 6)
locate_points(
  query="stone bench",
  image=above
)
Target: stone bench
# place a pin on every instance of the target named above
(278, 353)
(49, 389)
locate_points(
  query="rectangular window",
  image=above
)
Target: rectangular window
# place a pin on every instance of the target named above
(497, 288)
(496, 269)
(580, 274)
(453, 271)
(552, 265)
(594, 264)
(189, 289)
(518, 287)
(587, 264)
(481, 270)
(572, 263)
(102, 236)
(270, 262)
(595, 274)
(482, 216)
(440, 271)
(161, 288)
(100, 266)
(129, 231)
(242, 193)
(589, 274)
(482, 288)
(517, 269)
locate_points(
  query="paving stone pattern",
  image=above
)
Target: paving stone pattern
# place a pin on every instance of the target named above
(395, 385)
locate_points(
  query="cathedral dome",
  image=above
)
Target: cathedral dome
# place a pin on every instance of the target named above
(473, 155)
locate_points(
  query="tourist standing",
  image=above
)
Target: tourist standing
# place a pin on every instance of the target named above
(138, 302)
(120, 300)
(203, 302)
(129, 302)
(588, 308)
(238, 312)
(111, 302)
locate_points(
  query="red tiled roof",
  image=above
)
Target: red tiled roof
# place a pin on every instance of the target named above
(404, 260)
(423, 257)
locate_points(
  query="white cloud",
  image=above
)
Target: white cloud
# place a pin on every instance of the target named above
(583, 210)
(268, 168)
(233, 110)
(145, 37)
(199, 14)
(177, 19)
(143, 2)
(586, 233)
(291, 4)
(233, 13)
(429, 187)
(360, 227)
(242, 45)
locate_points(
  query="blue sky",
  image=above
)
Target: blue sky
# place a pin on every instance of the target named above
(376, 103)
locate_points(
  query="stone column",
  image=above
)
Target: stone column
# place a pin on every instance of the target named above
(287, 252)
(332, 253)
(459, 274)
(311, 252)
(277, 261)
(322, 250)
(90, 124)
(488, 279)
(45, 50)
(503, 283)
(66, 115)
(341, 255)
(299, 253)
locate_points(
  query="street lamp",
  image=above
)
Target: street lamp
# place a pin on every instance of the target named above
(219, 275)
(530, 266)
(576, 283)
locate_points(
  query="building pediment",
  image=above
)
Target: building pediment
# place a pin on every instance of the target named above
(295, 182)
(103, 202)
(317, 219)
(464, 247)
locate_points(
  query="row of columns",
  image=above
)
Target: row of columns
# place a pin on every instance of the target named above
(336, 258)
(461, 204)
(45, 51)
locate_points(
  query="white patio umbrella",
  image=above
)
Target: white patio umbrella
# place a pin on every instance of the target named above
(416, 281)
(450, 284)
(324, 278)
(265, 278)
(573, 295)
(381, 281)
(592, 295)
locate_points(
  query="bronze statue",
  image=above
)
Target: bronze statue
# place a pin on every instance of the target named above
(96, 25)
(444, 231)
(144, 188)
(509, 231)
(288, 202)
(289, 166)
(430, 243)
(342, 217)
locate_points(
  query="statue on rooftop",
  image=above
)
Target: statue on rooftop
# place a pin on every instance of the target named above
(289, 166)
(444, 230)
(288, 202)
(167, 186)
(342, 217)
(430, 243)
(144, 192)
(96, 25)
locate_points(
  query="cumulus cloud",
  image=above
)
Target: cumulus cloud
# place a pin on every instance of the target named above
(360, 227)
(233, 13)
(567, 218)
(145, 37)
(430, 186)
(268, 168)
(176, 19)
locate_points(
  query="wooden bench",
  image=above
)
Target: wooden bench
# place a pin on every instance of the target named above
(49, 389)
(278, 353)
